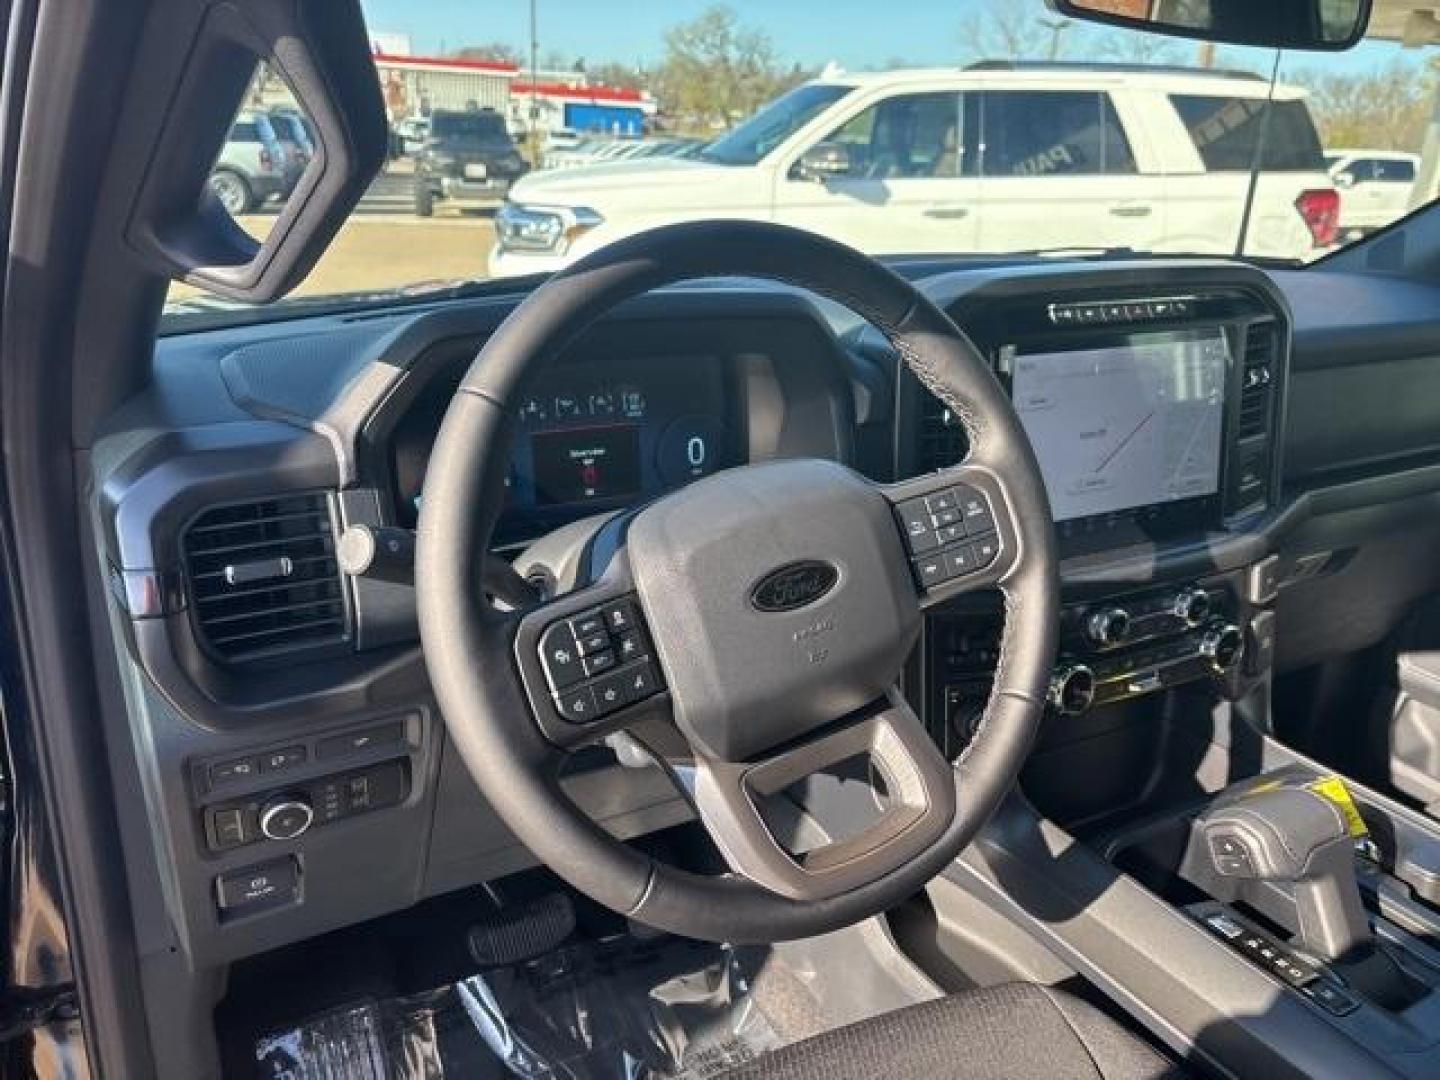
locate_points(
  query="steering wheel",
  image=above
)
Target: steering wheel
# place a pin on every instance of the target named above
(754, 623)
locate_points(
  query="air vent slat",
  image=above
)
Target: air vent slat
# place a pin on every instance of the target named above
(299, 603)
(1258, 377)
(940, 441)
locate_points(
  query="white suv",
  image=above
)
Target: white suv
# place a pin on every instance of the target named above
(998, 157)
(1377, 186)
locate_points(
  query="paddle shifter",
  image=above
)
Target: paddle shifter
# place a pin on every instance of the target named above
(1295, 836)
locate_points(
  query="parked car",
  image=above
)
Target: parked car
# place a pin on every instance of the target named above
(412, 132)
(894, 161)
(1377, 186)
(252, 166)
(468, 158)
(297, 143)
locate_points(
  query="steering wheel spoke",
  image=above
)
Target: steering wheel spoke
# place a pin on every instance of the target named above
(766, 835)
(588, 663)
(957, 529)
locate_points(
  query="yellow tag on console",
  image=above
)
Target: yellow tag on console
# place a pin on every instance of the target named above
(1333, 788)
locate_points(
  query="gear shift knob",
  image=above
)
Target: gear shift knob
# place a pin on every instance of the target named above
(1293, 835)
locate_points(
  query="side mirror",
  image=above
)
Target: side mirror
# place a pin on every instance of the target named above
(1319, 25)
(823, 161)
(1344, 181)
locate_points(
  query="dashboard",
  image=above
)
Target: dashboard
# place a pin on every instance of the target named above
(1155, 393)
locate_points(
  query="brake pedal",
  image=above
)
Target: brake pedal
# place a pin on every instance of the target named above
(512, 936)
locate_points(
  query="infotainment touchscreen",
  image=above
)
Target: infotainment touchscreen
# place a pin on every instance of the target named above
(1127, 425)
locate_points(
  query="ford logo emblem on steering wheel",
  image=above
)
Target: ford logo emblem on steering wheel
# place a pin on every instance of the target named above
(793, 586)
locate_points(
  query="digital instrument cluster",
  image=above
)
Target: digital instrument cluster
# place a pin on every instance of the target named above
(592, 435)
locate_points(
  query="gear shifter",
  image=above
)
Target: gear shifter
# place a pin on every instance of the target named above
(1292, 835)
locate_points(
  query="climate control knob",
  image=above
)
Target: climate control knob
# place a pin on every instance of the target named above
(1221, 647)
(1072, 689)
(1109, 627)
(1192, 607)
(286, 816)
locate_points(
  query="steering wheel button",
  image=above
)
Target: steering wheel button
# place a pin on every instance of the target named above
(561, 656)
(611, 692)
(950, 533)
(985, 550)
(593, 643)
(942, 518)
(938, 504)
(959, 561)
(619, 617)
(630, 646)
(578, 705)
(598, 663)
(915, 521)
(641, 681)
(931, 571)
(976, 511)
(586, 625)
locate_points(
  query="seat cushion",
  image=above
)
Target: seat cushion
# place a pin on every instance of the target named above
(1019, 1030)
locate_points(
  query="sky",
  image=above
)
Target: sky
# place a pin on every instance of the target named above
(855, 33)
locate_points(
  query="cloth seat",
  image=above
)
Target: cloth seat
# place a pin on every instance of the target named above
(1018, 1031)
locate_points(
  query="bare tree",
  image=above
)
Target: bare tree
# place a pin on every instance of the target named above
(497, 51)
(1383, 109)
(1004, 30)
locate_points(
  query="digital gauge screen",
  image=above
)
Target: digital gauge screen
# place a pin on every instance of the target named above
(594, 432)
(581, 464)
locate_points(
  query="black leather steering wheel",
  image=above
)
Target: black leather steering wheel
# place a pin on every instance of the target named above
(770, 609)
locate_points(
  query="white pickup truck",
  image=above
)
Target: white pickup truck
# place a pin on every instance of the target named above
(998, 157)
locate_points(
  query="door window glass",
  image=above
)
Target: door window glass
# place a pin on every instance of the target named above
(1053, 133)
(909, 137)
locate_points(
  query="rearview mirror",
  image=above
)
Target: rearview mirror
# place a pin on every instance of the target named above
(823, 161)
(1321, 25)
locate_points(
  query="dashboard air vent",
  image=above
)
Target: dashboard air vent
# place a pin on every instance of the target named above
(1257, 381)
(263, 578)
(941, 440)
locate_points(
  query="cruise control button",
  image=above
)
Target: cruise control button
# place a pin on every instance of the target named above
(560, 656)
(959, 561)
(950, 533)
(641, 681)
(599, 663)
(985, 550)
(577, 706)
(931, 570)
(631, 646)
(915, 521)
(585, 625)
(611, 693)
(619, 617)
(975, 511)
(593, 643)
(946, 500)
(942, 518)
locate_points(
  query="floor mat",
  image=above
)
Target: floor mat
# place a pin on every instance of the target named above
(623, 1008)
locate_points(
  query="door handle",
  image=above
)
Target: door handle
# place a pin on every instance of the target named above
(1131, 211)
(948, 213)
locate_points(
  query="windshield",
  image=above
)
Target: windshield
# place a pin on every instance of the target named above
(773, 124)
(938, 128)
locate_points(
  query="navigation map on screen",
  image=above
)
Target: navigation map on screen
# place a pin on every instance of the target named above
(1126, 426)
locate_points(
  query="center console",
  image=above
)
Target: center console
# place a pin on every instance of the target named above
(1152, 407)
